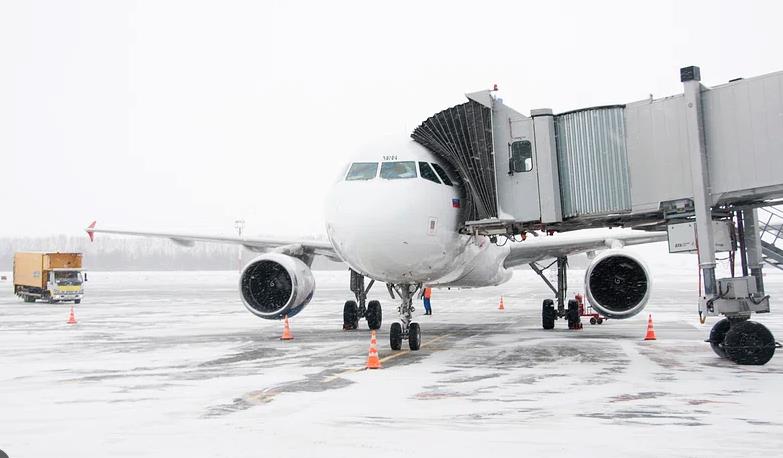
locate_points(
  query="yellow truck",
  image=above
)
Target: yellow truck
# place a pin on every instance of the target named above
(53, 277)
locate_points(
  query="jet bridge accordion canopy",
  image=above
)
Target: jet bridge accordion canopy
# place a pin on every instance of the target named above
(462, 136)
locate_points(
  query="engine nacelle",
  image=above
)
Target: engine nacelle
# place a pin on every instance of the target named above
(274, 285)
(618, 284)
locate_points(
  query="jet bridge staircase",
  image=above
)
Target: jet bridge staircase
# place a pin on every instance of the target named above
(771, 219)
(708, 158)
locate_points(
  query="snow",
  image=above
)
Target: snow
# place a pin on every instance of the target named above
(171, 364)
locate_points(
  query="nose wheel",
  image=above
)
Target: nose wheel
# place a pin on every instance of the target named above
(405, 328)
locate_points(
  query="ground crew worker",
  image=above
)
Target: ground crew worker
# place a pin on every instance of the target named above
(427, 294)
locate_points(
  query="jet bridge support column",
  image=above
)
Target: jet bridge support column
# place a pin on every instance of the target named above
(734, 337)
(702, 200)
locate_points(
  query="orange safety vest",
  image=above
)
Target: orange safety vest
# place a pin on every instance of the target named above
(427, 292)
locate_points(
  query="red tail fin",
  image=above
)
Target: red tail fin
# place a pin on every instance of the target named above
(90, 231)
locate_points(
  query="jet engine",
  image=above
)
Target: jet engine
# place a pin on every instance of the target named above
(274, 285)
(618, 284)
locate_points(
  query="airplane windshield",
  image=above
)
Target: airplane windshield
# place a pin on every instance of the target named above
(426, 172)
(442, 174)
(362, 171)
(396, 170)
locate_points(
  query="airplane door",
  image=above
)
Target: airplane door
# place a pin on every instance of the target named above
(516, 170)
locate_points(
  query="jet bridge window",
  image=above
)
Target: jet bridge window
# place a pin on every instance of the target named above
(426, 172)
(397, 170)
(521, 159)
(362, 171)
(442, 174)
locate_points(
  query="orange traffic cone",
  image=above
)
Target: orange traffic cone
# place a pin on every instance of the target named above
(650, 331)
(71, 317)
(501, 306)
(286, 330)
(373, 362)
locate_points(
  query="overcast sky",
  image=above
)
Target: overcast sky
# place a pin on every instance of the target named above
(188, 115)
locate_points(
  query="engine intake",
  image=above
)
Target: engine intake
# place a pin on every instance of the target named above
(618, 284)
(274, 285)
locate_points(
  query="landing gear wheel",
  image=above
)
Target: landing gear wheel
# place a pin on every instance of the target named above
(593, 320)
(718, 335)
(750, 343)
(395, 336)
(350, 315)
(573, 315)
(548, 314)
(374, 315)
(414, 336)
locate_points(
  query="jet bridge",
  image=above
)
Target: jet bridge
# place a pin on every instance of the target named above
(708, 157)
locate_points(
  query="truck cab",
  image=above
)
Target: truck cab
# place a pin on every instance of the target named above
(65, 285)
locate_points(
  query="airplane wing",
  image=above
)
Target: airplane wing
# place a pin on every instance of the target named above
(546, 247)
(294, 248)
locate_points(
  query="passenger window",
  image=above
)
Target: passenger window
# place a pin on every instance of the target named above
(396, 170)
(426, 172)
(521, 159)
(442, 174)
(362, 171)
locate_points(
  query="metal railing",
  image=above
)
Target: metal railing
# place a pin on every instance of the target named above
(771, 228)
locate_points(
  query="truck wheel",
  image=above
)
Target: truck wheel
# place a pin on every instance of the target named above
(28, 298)
(77, 301)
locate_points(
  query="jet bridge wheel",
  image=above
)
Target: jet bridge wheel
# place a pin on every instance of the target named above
(718, 335)
(749, 343)
(548, 314)
(350, 315)
(395, 336)
(374, 315)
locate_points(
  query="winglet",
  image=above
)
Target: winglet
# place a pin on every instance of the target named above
(90, 231)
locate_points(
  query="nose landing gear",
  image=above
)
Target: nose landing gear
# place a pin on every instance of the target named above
(405, 329)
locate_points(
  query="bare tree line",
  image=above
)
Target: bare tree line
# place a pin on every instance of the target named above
(109, 253)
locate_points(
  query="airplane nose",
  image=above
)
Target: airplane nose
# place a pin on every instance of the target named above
(380, 231)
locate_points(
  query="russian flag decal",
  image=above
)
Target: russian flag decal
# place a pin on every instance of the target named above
(455, 203)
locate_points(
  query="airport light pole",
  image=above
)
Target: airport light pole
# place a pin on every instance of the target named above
(239, 225)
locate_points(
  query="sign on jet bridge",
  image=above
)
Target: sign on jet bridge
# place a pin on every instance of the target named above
(682, 237)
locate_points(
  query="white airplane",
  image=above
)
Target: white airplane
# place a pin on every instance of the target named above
(413, 240)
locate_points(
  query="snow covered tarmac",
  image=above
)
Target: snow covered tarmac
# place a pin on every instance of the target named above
(171, 364)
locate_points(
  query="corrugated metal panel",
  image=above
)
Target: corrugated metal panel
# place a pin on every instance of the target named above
(592, 161)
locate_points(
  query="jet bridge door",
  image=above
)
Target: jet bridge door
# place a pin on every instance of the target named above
(516, 169)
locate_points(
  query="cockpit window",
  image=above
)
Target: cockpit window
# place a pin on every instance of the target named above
(396, 170)
(426, 172)
(362, 171)
(442, 174)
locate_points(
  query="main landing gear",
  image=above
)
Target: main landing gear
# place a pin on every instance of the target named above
(405, 328)
(548, 311)
(742, 341)
(360, 308)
